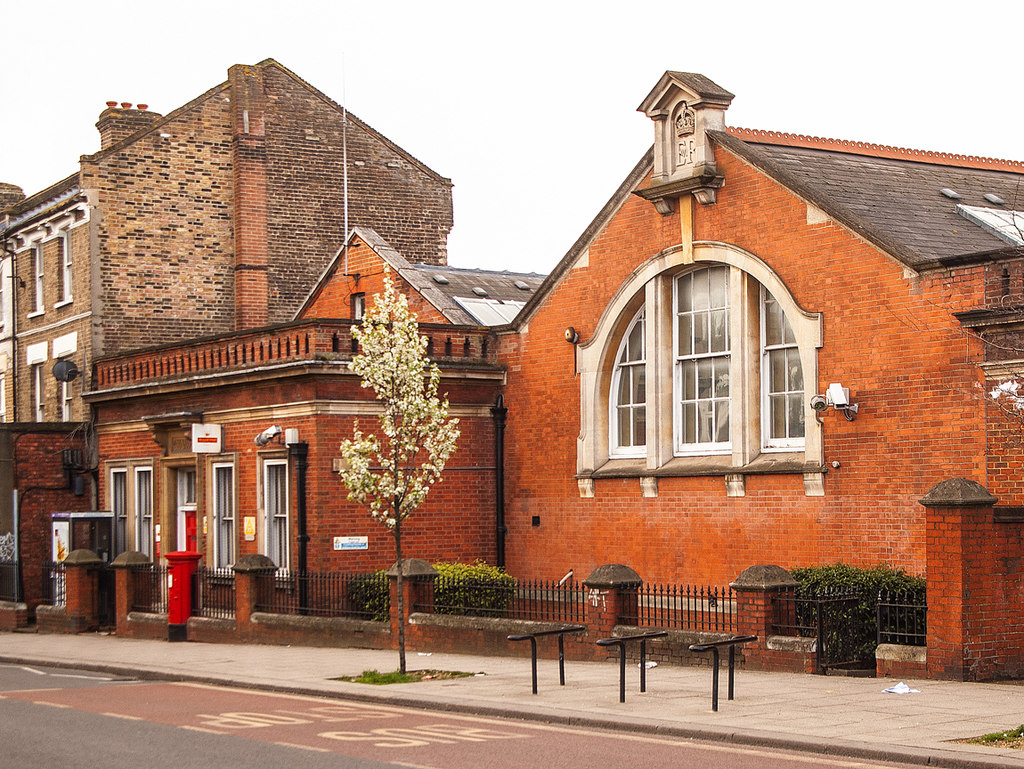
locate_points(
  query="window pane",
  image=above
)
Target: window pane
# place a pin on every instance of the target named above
(777, 369)
(635, 345)
(722, 419)
(705, 413)
(787, 335)
(796, 373)
(685, 335)
(684, 289)
(689, 427)
(777, 409)
(640, 426)
(623, 394)
(719, 287)
(796, 416)
(640, 385)
(689, 380)
(700, 290)
(224, 515)
(721, 377)
(625, 420)
(700, 333)
(705, 378)
(719, 330)
(773, 321)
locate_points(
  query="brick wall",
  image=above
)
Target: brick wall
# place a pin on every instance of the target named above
(888, 336)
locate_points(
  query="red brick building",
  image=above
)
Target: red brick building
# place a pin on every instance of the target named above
(765, 349)
(733, 277)
(225, 494)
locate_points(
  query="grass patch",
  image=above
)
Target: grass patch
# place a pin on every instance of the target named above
(395, 677)
(1011, 738)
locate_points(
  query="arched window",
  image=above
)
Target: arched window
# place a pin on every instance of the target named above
(702, 360)
(782, 379)
(629, 393)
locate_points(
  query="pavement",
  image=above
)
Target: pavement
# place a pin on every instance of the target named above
(835, 715)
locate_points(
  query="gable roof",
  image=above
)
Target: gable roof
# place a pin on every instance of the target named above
(465, 297)
(889, 196)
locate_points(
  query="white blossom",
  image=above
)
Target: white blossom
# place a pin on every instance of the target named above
(392, 470)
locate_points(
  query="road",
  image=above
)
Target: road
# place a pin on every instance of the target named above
(52, 717)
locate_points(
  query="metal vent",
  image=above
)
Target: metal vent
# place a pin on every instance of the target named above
(441, 280)
(951, 194)
(479, 291)
(522, 286)
(994, 199)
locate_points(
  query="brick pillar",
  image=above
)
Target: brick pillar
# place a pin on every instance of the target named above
(611, 595)
(248, 570)
(124, 588)
(755, 588)
(80, 585)
(249, 161)
(962, 565)
(418, 578)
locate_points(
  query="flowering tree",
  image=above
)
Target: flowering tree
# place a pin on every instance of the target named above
(391, 471)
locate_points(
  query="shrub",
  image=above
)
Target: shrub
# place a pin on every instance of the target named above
(855, 629)
(476, 589)
(369, 596)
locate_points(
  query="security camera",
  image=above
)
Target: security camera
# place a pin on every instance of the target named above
(838, 395)
(268, 435)
(818, 403)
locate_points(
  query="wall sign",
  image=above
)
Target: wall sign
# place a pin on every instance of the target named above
(351, 543)
(206, 439)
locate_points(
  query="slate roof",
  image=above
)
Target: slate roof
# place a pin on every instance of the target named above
(893, 202)
(475, 309)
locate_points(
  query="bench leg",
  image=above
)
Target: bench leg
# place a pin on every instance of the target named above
(714, 680)
(622, 672)
(533, 662)
(561, 661)
(732, 669)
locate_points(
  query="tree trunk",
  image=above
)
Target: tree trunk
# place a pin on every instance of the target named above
(401, 596)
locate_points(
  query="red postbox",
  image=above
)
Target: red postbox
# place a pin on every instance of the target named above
(181, 567)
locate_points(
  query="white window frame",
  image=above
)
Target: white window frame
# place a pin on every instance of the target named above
(225, 531)
(3, 397)
(144, 534)
(720, 361)
(617, 446)
(37, 279)
(276, 546)
(794, 397)
(66, 400)
(38, 394)
(118, 496)
(65, 268)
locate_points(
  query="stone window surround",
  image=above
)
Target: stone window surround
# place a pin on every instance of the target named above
(131, 469)
(651, 285)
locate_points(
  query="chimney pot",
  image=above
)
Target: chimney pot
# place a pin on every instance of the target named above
(111, 104)
(126, 105)
(143, 107)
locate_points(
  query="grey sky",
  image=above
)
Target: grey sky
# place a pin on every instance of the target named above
(529, 107)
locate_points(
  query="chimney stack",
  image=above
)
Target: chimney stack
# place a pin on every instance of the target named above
(10, 194)
(117, 123)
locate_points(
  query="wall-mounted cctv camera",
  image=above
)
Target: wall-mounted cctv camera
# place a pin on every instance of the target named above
(818, 403)
(838, 395)
(268, 435)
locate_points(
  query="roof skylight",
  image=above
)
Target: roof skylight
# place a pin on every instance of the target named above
(1008, 226)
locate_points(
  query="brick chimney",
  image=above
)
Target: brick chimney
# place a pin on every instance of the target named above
(249, 106)
(10, 194)
(118, 122)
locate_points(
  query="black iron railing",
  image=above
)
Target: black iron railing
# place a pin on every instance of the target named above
(540, 600)
(683, 607)
(52, 589)
(902, 618)
(215, 593)
(324, 594)
(149, 589)
(10, 582)
(843, 624)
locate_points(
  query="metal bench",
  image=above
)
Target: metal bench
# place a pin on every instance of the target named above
(621, 642)
(714, 646)
(532, 638)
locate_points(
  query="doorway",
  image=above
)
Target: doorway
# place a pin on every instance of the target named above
(188, 534)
